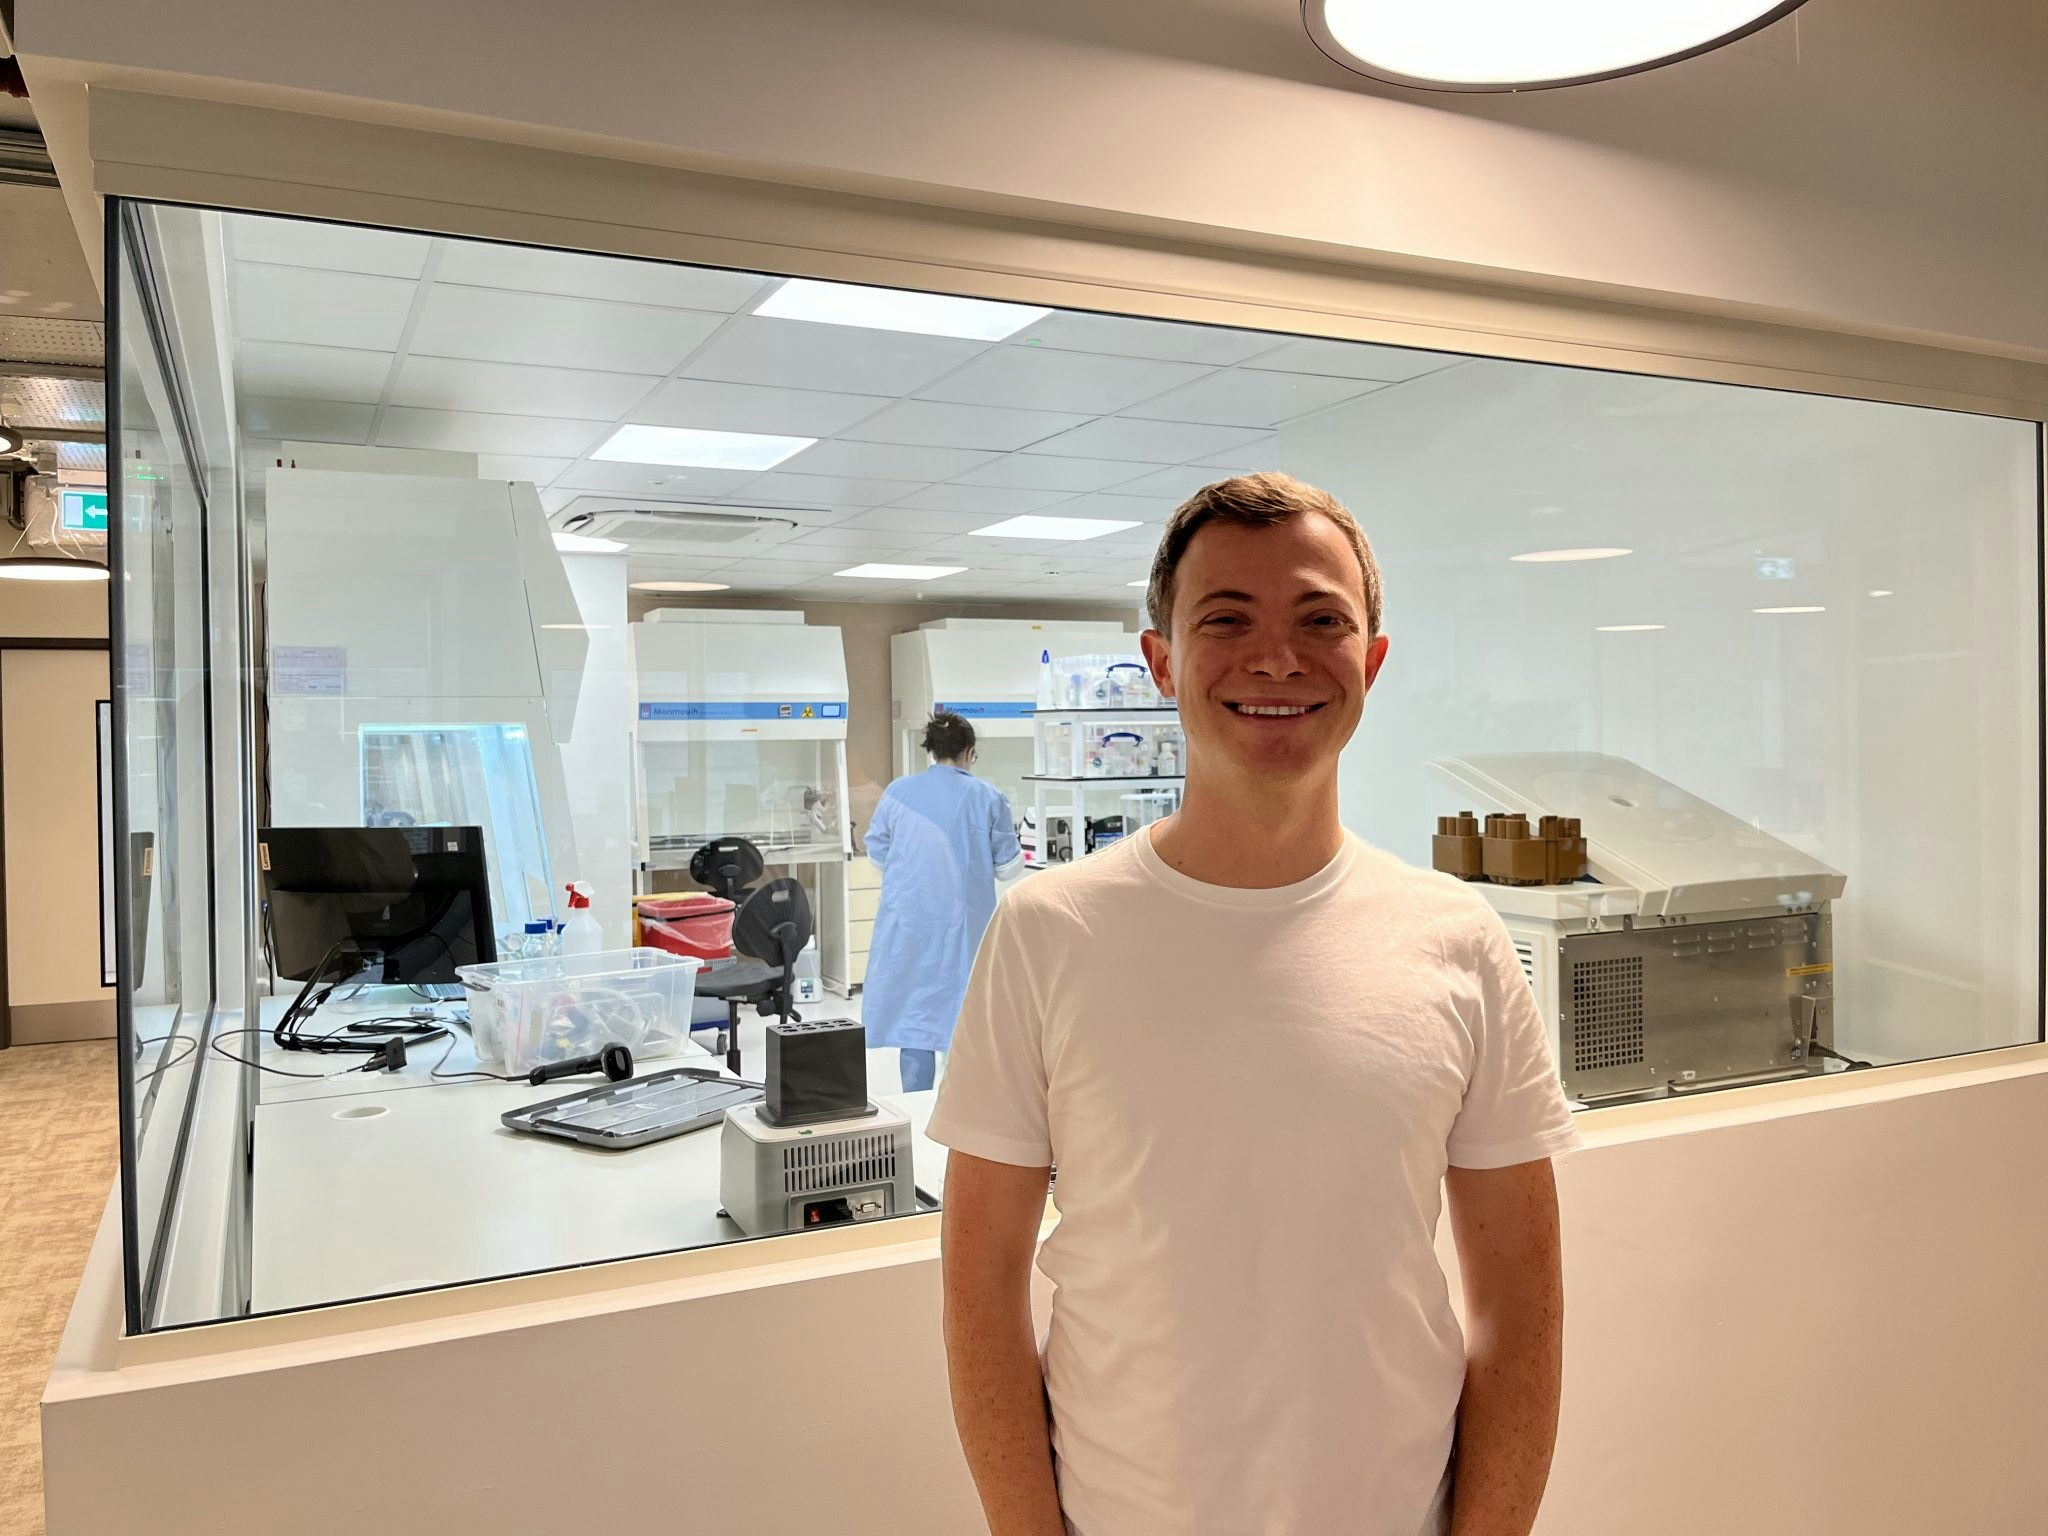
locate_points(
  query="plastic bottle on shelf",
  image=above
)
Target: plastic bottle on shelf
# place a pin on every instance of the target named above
(1169, 757)
(581, 935)
(1048, 685)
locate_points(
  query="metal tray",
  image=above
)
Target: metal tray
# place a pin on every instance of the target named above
(637, 1111)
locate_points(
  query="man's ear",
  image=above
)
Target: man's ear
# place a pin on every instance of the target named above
(1158, 656)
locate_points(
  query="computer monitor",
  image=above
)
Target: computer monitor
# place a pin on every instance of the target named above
(412, 903)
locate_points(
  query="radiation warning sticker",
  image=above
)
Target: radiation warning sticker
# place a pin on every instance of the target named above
(810, 713)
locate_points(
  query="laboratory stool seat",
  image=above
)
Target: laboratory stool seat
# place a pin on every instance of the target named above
(737, 982)
(770, 929)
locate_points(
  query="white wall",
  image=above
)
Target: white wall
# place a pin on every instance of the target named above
(597, 760)
(1893, 738)
(1872, 1365)
(1870, 161)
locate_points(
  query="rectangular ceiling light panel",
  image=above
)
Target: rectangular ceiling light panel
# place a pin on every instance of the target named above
(895, 309)
(693, 447)
(1052, 528)
(874, 572)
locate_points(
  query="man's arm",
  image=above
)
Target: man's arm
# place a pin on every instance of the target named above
(992, 1215)
(1505, 1223)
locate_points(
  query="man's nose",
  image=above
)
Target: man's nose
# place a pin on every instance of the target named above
(1274, 654)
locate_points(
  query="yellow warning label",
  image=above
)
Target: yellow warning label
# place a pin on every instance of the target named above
(810, 713)
(1809, 970)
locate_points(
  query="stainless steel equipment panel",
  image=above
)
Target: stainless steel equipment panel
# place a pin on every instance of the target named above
(1643, 1010)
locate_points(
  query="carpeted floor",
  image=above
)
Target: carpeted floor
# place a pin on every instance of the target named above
(58, 1155)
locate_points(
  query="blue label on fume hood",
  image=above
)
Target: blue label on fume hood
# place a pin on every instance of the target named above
(988, 709)
(724, 709)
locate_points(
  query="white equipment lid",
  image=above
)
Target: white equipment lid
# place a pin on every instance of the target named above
(1681, 854)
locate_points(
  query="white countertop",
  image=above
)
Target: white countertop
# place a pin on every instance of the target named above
(332, 1076)
(365, 1185)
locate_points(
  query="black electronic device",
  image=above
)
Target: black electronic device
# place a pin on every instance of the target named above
(407, 905)
(817, 1071)
(614, 1061)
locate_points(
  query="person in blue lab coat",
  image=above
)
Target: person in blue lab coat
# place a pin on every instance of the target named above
(942, 839)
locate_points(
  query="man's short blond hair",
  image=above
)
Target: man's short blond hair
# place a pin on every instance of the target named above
(1253, 501)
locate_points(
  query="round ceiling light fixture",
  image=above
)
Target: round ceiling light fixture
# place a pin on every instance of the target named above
(1526, 45)
(49, 568)
(10, 440)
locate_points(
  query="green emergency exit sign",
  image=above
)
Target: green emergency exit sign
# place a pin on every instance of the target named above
(82, 511)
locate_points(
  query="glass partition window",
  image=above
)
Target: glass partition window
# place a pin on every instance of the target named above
(467, 775)
(784, 796)
(574, 570)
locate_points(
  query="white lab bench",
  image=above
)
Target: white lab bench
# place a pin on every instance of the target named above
(364, 1184)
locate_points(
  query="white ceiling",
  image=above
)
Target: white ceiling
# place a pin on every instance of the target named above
(531, 358)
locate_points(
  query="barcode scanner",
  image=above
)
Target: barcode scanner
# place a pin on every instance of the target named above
(614, 1061)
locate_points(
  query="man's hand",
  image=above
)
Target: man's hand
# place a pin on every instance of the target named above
(1505, 1223)
(993, 1212)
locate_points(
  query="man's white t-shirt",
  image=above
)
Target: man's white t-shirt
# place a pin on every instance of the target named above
(1251, 1097)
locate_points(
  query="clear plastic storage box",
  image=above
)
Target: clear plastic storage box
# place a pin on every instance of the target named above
(1101, 681)
(528, 1013)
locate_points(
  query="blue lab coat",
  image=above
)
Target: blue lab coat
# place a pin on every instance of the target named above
(939, 838)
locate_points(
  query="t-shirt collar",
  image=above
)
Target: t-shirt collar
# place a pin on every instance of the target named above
(1324, 879)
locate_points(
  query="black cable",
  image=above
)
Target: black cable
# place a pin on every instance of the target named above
(1829, 1053)
(165, 1066)
(450, 1077)
(282, 1071)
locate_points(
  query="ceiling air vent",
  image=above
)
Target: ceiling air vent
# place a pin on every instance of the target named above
(657, 526)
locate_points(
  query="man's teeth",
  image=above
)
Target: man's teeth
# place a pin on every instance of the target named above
(1271, 709)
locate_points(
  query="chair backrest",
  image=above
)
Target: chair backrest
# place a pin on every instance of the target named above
(726, 866)
(773, 923)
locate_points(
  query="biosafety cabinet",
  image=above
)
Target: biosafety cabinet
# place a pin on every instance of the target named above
(740, 730)
(987, 671)
(425, 655)
(1697, 952)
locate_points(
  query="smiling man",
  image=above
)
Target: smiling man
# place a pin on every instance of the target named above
(1259, 1050)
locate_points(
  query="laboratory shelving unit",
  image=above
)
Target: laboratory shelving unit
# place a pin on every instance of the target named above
(1059, 790)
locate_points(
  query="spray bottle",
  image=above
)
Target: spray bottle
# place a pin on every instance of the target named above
(1048, 686)
(581, 935)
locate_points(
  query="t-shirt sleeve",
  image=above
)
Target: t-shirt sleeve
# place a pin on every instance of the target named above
(992, 1101)
(1514, 1109)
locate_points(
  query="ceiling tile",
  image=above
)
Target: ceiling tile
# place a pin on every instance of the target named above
(990, 501)
(1179, 482)
(916, 520)
(494, 326)
(520, 466)
(476, 432)
(573, 274)
(1247, 397)
(664, 482)
(312, 373)
(782, 565)
(1036, 378)
(940, 424)
(1262, 454)
(326, 309)
(1355, 360)
(840, 537)
(317, 421)
(1155, 442)
(451, 384)
(334, 247)
(1165, 340)
(715, 407)
(798, 354)
(835, 490)
(1040, 471)
(1137, 509)
(884, 461)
